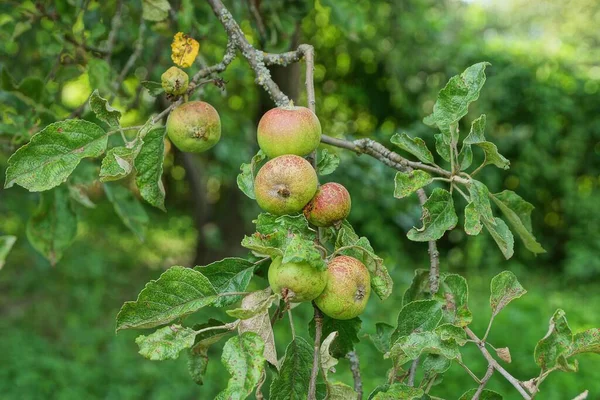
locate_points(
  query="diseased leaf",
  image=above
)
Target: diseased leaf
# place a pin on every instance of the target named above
(176, 293)
(473, 224)
(260, 324)
(486, 394)
(153, 88)
(410, 347)
(243, 358)
(556, 342)
(118, 163)
(435, 364)
(480, 197)
(465, 157)
(504, 288)
(245, 179)
(228, 275)
(184, 50)
(149, 167)
(419, 288)
(455, 293)
(477, 137)
(335, 390)
(328, 163)
(198, 354)
(128, 208)
(399, 391)
(103, 110)
(442, 146)
(382, 337)
(53, 226)
(293, 379)
(438, 217)
(406, 184)
(340, 391)
(255, 309)
(415, 146)
(347, 334)
(53, 153)
(300, 249)
(6, 244)
(360, 248)
(155, 10)
(502, 236)
(586, 342)
(418, 316)
(518, 213)
(166, 343)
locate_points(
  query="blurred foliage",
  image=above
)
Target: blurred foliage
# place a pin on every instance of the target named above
(379, 67)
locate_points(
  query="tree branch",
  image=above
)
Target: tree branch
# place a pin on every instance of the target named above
(312, 387)
(355, 368)
(115, 24)
(493, 363)
(483, 382)
(412, 372)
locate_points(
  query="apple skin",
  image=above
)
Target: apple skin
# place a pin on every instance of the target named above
(298, 281)
(194, 127)
(285, 184)
(288, 130)
(330, 206)
(348, 288)
(175, 81)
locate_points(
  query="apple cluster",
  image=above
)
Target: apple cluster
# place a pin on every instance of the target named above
(288, 184)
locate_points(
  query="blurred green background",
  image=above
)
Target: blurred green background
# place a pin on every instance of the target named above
(379, 67)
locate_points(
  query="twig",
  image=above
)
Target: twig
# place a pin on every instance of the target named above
(412, 372)
(253, 7)
(355, 368)
(434, 254)
(312, 387)
(484, 381)
(115, 25)
(228, 57)
(492, 361)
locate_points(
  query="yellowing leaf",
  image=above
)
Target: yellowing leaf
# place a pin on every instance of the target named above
(184, 50)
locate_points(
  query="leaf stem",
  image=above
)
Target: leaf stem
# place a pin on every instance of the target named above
(475, 378)
(355, 368)
(230, 326)
(289, 312)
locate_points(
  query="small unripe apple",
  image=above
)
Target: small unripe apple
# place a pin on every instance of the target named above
(174, 81)
(347, 290)
(285, 184)
(296, 281)
(194, 127)
(330, 206)
(289, 130)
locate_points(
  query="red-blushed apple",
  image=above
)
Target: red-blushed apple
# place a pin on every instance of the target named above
(330, 206)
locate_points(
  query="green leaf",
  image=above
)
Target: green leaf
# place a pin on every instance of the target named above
(118, 163)
(53, 153)
(415, 146)
(155, 10)
(198, 354)
(556, 342)
(149, 167)
(245, 179)
(53, 226)
(406, 184)
(154, 88)
(399, 391)
(435, 364)
(473, 224)
(418, 316)
(300, 249)
(486, 394)
(465, 157)
(256, 309)
(335, 390)
(455, 293)
(328, 162)
(243, 358)
(480, 197)
(347, 334)
(442, 146)
(166, 343)
(176, 293)
(104, 112)
(504, 288)
(99, 73)
(419, 287)
(477, 137)
(360, 248)
(294, 376)
(410, 347)
(383, 336)
(128, 208)
(6, 244)
(228, 275)
(502, 236)
(438, 217)
(260, 324)
(453, 100)
(518, 213)
(340, 391)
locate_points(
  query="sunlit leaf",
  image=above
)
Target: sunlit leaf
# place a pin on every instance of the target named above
(406, 183)
(166, 343)
(184, 49)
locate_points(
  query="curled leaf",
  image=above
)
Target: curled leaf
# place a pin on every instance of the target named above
(184, 50)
